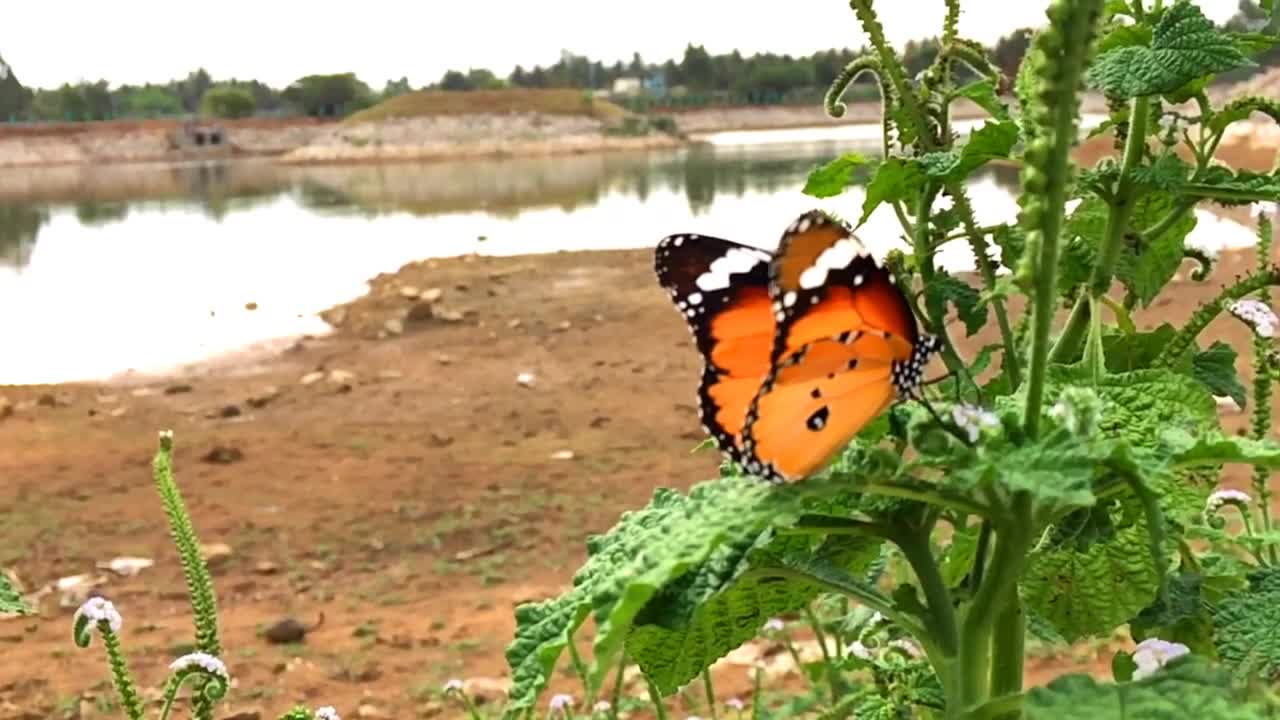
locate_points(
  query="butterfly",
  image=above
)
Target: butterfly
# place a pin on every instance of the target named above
(801, 348)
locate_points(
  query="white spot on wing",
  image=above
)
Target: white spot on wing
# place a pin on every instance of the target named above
(789, 299)
(678, 241)
(735, 262)
(695, 298)
(838, 256)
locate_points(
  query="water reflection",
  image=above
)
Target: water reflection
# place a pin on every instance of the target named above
(104, 256)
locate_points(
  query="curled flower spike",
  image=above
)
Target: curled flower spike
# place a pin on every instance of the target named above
(906, 647)
(561, 703)
(204, 661)
(774, 625)
(1153, 654)
(453, 686)
(1257, 315)
(734, 704)
(91, 615)
(1264, 208)
(199, 664)
(327, 713)
(1239, 498)
(860, 651)
(972, 419)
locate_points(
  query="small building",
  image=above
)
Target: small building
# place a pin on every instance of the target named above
(626, 86)
(195, 135)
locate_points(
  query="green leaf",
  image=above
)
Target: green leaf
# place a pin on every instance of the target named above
(709, 612)
(1135, 351)
(11, 601)
(1217, 448)
(961, 553)
(1124, 36)
(946, 288)
(1147, 264)
(1056, 470)
(895, 180)
(648, 549)
(1247, 627)
(1242, 187)
(1140, 405)
(991, 141)
(983, 94)
(1168, 172)
(1252, 43)
(1241, 108)
(1184, 619)
(1185, 45)
(1216, 368)
(831, 179)
(1089, 592)
(1185, 688)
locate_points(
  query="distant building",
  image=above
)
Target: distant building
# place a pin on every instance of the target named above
(628, 86)
(656, 84)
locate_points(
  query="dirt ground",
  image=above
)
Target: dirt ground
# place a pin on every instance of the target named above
(410, 493)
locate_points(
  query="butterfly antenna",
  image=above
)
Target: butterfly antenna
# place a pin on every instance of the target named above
(947, 425)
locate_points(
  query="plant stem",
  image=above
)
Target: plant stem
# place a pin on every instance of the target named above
(833, 675)
(868, 596)
(914, 544)
(1008, 648)
(1122, 205)
(924, 260)
(978, 243)
(655, 697)
(710, 692)
(120, 675)
(930, 496)
(1206, 313)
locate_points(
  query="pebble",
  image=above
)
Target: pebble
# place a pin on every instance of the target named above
(525, 379)
(564, 325)
(562, 455)
(223, 455)
(178, 389)
(312, 377)
(514, 323)
(119, 412)
(410, 292)
(341, 376)
(394, 326)
(431, 295)
(251, 305)
(449, 316)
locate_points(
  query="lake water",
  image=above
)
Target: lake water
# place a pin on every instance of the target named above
(142, 269)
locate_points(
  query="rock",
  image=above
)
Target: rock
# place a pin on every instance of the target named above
(564, 325)
(336, 317)
(47, 400)
(439, 439)
(485, 690)
(410, 292)
(229, 411)
(562, 455)
(119, 412)
(341, 377)
(430, 295)
(259, 401)
(370, 711)
(251, 305)
(215, 553)
(289, 630)
(245, 715)
(394, 326)
(451, 316)
(525, 379)
(514, 323)
(223, 455)
(312, 377)
(126, 566)
(178, 389)
(443, 359)
(143, 392)
(73, 590)
(390, 374)
(266, 567)
(6, 408)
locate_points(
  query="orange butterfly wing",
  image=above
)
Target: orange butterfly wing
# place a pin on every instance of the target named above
(845, 346)
(721, 289)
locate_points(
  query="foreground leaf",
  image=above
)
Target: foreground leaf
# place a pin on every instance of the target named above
(11, 601)
(1185, 45)
(1247, 627)
(1216, 369)
(946, 288)
(628, 566)
(1217, 448)
(1183, 689)
(983, 93)
(834, 177)
(895, 180)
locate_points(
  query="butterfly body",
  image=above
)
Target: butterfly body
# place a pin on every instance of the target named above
(802, 347)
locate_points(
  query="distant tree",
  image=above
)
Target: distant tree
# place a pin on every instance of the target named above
(482, 79)
(147, 101)
(454, 80)
(518, 78)
(1009, 51)
(696, 68)
(190, 89)
(99, 105)
(920, 54)
(14, 98)
(328, 95)
(226, 101)
(394, 88)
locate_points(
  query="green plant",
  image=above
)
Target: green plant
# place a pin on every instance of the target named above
(1093, 451)
(202, 667)
(227, 101)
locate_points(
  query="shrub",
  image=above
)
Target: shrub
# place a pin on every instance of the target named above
(223, 101)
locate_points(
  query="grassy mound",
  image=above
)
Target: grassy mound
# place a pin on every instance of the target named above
(441, 102)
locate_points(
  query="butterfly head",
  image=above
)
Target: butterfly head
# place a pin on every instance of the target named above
(908, 375)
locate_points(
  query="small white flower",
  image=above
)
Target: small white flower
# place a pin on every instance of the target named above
(1257, 315)
(1153, 654)
(1265, 207)
(561, 703)
(906, 646)
(1219, 498)
(734, 704)
(860, 651)
(602, 706)
(453, 686)
(774, 625)
(972, 419)
(1168, 123)
(327, 713)
(693, 717)
(203, 660)
(97, 609)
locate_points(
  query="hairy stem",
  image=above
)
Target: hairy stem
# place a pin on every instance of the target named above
(942, 614)
(1049, 166)
(710, 691)
(924, 260)
(1262, 392)
(833, 674)
(1008, 648)
(1209, 311)
(892, 67)
(120, 676)
(986, 267)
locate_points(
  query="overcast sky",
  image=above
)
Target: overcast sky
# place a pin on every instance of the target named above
(135, 41)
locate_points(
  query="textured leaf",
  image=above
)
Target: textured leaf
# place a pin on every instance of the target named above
(983, 93)
(1185, 45)
(1089, 592)
(1216, 368)
(895, 180)
(832, 178)
(1242, 187)
(1186, 688)
(1184, 618)
(1135, 351)
(11, 601)
(1241, 108)
(707, 613)
(1248, 627)
(1145, 266)
(1140, 405)
(1216, 448)
(1056, 470)
(946, 288)
(961, 553)
(1168, 172)
(1124, 36)
(991, 141)
(630, 564)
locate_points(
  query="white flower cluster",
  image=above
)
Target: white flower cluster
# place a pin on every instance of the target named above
(1257, 315)
(1219, 498)
(561, 703)
(774, 625)
(327, 713)
(97, 609)
(734, 704)
(1153, 654)
(453, 686)
(972, 419)
(1265, 207)
(204, 660)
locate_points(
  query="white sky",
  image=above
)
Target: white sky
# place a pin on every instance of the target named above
(276, 41)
